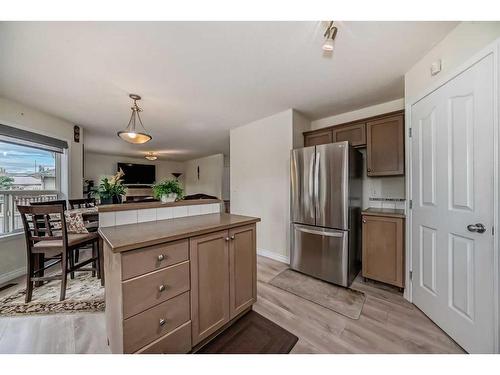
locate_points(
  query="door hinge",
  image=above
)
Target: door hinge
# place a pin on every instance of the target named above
(409, 132)
(411, 204)
(411, 275)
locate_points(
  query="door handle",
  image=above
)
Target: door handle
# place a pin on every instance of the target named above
(320, 232)
(478, 228)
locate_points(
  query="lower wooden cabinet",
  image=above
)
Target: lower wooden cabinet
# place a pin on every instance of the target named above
(223, 278)
(383, 249)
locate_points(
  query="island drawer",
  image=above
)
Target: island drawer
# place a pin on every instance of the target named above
(149, 290)
(155, 322)
(151, 258)
(176, 342)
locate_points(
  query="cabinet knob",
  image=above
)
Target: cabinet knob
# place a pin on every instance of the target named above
(161, 288)
(227, 238)
(369, 170)
(162, 322)
(232, 237)
(364, 220)
(161, 257)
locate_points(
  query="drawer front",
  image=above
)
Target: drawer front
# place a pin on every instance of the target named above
(152, 258)
(175, 342)
(146, 291)
(144, 328)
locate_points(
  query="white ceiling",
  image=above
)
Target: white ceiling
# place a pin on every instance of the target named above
(199, 79)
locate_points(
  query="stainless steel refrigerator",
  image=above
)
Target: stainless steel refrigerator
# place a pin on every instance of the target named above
(326, 202)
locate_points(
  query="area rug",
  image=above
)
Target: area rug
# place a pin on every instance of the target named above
(251, 334)
(345, 301)
(83, 293)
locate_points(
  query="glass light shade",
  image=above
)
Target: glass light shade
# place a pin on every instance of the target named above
(328, 45)
(133, 137)
(151, 156)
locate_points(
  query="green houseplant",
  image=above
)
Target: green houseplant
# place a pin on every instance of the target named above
(168, 191)
(111, 190)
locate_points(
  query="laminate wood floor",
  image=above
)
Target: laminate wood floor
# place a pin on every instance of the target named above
(388, 324)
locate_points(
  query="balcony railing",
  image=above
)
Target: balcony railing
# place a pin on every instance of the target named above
(10, 219)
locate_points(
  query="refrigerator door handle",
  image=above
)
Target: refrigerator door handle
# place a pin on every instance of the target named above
(311, 176)
(320, 232)
(316, 184)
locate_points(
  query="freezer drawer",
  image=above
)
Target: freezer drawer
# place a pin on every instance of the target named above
(320, 252)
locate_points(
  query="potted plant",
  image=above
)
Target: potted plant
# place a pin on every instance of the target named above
(168, 191)
(111, 190)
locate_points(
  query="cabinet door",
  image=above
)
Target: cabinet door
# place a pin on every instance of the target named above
(385, 146)
(355, 134)
(242, 269)
(209, 255)
(383, 249)
(318, 138)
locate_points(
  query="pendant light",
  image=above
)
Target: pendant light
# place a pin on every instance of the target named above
(151, 156)
(130, 134)
(330, 34)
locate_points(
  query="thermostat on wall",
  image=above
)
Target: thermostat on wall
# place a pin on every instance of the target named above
(435, 67)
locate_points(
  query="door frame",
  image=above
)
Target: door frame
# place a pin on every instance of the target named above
(494, 50)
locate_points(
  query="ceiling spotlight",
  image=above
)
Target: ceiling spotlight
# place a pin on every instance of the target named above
(151, 156)
(330, 34)
(130, 134)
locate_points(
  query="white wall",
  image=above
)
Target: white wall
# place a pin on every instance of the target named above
(103, 165)
(211, 174)
(459, 45)
(260, 179)
(226, 179)
(301, 124)
(12, 249)
(374, 110)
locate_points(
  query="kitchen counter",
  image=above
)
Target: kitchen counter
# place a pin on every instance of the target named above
(146, 205)
(390, 212)
(131, 236)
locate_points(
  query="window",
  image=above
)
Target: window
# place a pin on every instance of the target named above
(29, 172)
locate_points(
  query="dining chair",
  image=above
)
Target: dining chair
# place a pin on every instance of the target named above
(91, 221)
(47, 239)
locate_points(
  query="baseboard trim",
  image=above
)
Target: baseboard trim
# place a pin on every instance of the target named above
(274, 256)
(6, 277)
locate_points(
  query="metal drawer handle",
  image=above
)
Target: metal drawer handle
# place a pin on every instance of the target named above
(227, 238)
(162, 322)
(232, 237)
(161, 257)
(320, 233)
(161, 288)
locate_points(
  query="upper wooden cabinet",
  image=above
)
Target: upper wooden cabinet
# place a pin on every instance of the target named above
(385, 146)
(355, 134)
(318, 138)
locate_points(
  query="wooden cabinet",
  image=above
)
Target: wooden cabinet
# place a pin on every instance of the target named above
(385, 146)
(177, 282)
(354, 133)
(223, 278)
(318, 138)
(242, 269)
(383, 249)
(209, 255)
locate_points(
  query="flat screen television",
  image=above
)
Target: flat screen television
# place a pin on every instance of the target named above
(138, 174)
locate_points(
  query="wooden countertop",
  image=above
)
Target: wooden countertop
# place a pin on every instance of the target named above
(391, 212)
(143, 205)
(132, 236)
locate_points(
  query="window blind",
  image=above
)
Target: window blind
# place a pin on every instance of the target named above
(13, 135)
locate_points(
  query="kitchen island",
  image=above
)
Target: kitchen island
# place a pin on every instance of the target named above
(172, 285)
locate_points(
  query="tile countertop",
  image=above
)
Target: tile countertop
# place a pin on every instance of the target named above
(392, 212)
(132, 236)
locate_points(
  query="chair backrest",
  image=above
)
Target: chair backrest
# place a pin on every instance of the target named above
(51, 203)
(43, 223)
(81, 203)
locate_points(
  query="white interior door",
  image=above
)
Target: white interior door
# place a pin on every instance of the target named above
(452, 188)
